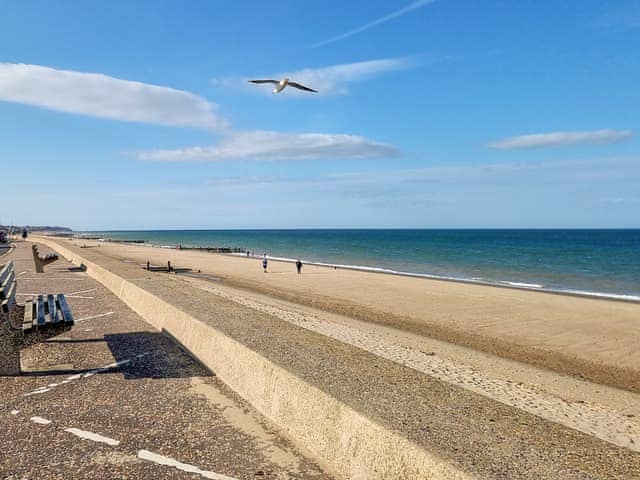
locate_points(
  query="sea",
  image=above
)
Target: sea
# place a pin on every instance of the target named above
(601, 263)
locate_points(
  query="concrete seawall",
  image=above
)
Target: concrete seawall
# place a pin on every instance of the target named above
(349, 444)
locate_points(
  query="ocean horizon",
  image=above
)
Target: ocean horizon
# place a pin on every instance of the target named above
(598, 262)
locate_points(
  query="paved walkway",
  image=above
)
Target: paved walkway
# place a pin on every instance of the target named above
(113, 398)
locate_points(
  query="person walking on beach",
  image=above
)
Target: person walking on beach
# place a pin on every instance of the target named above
(264, 263)
(299, 266)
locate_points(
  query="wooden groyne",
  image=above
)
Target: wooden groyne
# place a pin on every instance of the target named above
(216, 249)
(88, 237)
(124, 241)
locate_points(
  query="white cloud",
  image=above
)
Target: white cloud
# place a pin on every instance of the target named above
(98, 95)
(263, 145)
(561, 139)
(412, 6)
(331, 80)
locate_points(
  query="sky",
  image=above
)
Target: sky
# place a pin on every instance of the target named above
(429, 114)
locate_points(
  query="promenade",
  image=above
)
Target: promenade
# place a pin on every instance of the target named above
(115, 398)
(373, 402)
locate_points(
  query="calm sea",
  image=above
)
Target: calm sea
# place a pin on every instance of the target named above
(591, 261)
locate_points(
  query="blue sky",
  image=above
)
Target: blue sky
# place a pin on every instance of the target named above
(445, 113)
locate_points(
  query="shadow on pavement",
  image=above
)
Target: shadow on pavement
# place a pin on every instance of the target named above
(13, 341)
(163, 358)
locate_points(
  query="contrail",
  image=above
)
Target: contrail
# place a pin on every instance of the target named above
(412, 6)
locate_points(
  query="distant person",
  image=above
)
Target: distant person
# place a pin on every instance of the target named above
(264, 263)
(24, 233)
(299, 266)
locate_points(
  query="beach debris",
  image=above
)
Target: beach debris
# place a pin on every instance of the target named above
(280, 85)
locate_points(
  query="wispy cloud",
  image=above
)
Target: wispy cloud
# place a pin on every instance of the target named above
(561, 139)
(559, 193)
(98, 95)
(595, 170)
(624, 18)
(617, 200)
(263, 145)
(409, 8)
(331, 80)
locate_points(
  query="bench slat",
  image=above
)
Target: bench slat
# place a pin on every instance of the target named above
(4, 288)
(58, 318)
(7, 303)
(50, 311)
(40, 312)
(6, 270)
(66, 311)
(27, 323)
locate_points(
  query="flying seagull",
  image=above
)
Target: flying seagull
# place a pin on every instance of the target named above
(281, 84)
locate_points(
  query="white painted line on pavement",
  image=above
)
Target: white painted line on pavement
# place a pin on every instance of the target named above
(185, 467)
(82, 291)
(88, 374)
(57, 278)
(66, 295)
(37, 391)
(94, 316)
(92, 436)
(40, 420)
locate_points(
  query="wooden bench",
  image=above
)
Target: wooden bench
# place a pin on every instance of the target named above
(41, 311)
(42, 261)
(7, 288)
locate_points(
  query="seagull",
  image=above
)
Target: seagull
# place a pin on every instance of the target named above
(281, 84)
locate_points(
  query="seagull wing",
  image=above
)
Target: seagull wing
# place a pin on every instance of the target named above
(301, 87)
(275, 82)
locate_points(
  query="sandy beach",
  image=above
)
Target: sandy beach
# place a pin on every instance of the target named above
(593, 339)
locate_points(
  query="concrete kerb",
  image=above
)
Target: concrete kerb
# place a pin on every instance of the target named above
(347, 443)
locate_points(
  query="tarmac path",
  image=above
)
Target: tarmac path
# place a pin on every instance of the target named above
(113, 398)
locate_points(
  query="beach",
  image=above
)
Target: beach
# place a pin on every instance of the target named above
(596, 263)
(476, 410)
(591, 338)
